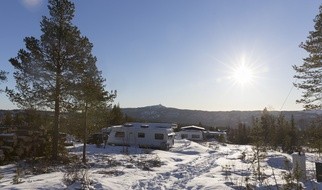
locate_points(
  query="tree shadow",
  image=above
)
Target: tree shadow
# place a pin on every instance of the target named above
(279, 162)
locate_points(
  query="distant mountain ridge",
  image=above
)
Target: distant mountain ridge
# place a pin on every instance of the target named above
(160, 113)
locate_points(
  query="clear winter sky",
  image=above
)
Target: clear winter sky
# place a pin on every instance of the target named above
(214, 55)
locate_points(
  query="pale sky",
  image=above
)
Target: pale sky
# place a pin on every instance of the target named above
(213, 55)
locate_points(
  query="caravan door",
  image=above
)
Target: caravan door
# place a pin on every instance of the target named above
(132, 139)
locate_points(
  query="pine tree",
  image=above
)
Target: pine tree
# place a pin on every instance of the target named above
(281, 136)
(259, 148)
(47, 71)
(8, 119)
(294, 137)
(310, 73)
(89, 92)
(116, 116)
(315, 135)
(3, 77)
(268, 126)
(242, 134)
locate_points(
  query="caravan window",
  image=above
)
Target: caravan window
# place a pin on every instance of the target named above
(159, 136)
(184, 136)
(195, 136)
(141, 135)
(119, 134)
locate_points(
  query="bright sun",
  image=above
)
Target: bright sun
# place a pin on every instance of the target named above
(245, 71)
(243, 74)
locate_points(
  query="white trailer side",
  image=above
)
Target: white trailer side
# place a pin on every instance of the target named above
(151, 135)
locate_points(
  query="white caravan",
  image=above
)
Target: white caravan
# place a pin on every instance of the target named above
(150, 135)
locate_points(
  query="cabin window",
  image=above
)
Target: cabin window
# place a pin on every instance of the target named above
(159, 136)
(195, 136)
(119, 134)
(141, 135)
(184, 136)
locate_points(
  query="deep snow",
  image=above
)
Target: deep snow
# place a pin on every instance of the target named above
(188, 165)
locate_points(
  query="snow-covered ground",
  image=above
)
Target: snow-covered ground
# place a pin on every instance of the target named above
(188, 165)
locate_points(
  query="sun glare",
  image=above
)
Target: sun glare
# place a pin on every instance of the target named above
(243, 74)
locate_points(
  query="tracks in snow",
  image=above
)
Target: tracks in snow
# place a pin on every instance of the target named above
(178, 178)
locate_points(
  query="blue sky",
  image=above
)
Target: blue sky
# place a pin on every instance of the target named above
(181, 53)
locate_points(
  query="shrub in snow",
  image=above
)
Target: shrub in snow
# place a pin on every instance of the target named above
(111, 172)
(112, 162)
(242, 157)
(17, 177)
(147, 164)
(77, 175)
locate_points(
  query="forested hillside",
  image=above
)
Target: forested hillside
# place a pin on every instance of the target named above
(159, 113)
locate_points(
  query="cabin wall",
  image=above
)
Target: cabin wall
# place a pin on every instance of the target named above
(190, 135)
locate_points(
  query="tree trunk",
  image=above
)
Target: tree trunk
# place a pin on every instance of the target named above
(85, 135)
(55, 131)
(258, 165)
(57, 115)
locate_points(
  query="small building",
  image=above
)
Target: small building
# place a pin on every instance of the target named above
(220, 136)
(192, 132)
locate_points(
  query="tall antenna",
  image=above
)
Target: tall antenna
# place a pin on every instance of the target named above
(288, 95)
